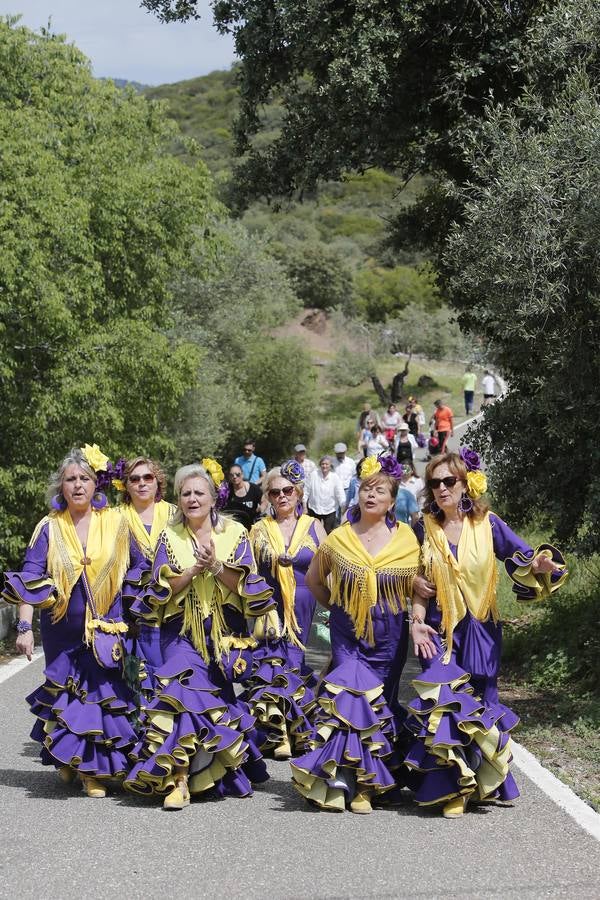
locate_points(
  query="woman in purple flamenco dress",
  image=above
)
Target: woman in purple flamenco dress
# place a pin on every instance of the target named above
(73, 571)
(284, 543)
(198, 737)
(461, 750)
(363, 572)
(147, 514)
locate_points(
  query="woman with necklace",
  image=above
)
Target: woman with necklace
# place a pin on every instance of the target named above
(198, 736)
(461, 750)
(146, 514)
(363, 573)
(284, 544)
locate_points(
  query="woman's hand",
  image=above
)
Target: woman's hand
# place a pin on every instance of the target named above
(205, 557)
(423, 588)
(542, 564)
(25, 644)
(421, 634)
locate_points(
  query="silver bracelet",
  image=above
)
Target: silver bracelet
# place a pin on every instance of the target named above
(217, 568)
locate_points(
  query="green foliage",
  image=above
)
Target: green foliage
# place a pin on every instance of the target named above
(433, 333)
(383, 292)
(319, 275)
(96, 219)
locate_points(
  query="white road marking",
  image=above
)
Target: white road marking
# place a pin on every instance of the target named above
(16, 665)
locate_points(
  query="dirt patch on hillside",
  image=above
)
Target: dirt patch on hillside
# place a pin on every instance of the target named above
(313, 328)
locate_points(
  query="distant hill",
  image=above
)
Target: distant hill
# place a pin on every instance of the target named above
(350, 216)
(123, 83)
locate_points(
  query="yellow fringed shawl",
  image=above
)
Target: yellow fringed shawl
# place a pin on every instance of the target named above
(468, 582)
(359, 580)
(106, 555)
(268, 545)
(147, 541)
(205, 594)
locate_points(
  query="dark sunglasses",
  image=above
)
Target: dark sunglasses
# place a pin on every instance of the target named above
(235, 474)
(286, 491)
(449, 481)
(147, 478)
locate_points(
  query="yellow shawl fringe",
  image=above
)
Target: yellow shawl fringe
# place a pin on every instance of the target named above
(468, 582)
(147, 541)
(107, 552)
(268, 545)
(359, 581)
(205, 595)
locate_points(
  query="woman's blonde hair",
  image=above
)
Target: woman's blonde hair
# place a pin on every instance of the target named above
(183, 474)
(458, 468)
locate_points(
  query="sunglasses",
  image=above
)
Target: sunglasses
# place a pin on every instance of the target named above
(286, 491)
(235, 474)
(148, 478)
(448, 482)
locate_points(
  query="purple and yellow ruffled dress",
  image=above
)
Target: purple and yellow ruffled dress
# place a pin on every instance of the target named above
(83, 710)
(359, 718)
(146, 645)
(461, 730)
(195, 719)
(280, 691)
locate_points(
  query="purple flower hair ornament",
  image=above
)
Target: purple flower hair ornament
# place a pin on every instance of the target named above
(222, 495)
(470, 458)
(292, 471)
(390, 466)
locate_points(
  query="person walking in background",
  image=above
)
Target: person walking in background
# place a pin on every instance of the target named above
(344, 467)
(405, 445)
(442, 421)
(364, 436)
(410, 481)
(469, 381)
(252, 466)
(244, 499)
(488, 385)
(325, 495)
(307, 464)
(390, 421)
(377, 443)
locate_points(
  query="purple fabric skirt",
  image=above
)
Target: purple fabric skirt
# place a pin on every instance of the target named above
(195, 721)
(280, 696)
(461, 731)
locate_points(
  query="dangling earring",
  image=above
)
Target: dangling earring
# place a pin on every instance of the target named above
(214, 517)
(158, 495)
(99, 500)
(353, 513)
(299, 509)
(434, 509)
(272, 511)
(390, 518)
(465, 504)
(58, 503)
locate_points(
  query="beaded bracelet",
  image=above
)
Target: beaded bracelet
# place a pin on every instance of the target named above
(216, 569)
(23, 626)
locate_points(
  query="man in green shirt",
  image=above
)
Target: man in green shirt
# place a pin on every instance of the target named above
(469, 381)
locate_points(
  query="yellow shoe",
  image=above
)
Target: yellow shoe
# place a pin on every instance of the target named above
(283, 751)
(454, 808)
(178, 798)
(66, 774)
(93, 787)
(362, 803)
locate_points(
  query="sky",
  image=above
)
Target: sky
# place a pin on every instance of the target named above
(124, 41)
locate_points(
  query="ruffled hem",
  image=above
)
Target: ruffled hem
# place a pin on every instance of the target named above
(462, 745)
(19, 587)
(189, 725)
(353, 749)
(529, 587)
(83, 714)
(281, 699)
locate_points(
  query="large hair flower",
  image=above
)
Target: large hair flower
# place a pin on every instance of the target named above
(222, 495)
(112, 474)
(369, 467)
(95, 458)
(390, 466)
(292, 471)
(476, 484)
(214, 470)
(470, 458)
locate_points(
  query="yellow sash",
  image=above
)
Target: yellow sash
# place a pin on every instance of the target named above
(467, 583)
(359, 580)
(147, 542)
(205, 595)
(268, 545)
(106, 556)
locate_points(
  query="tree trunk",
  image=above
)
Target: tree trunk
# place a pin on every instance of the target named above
(381, 391)
(398, 382)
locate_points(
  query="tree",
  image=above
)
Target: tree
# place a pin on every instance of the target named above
(382, 292)
(524, 271)
(318, 274)
(96, 220)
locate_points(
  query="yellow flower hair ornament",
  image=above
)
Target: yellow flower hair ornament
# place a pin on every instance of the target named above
(95, 458)
(214, 470)
(370, 467)
(476, 484)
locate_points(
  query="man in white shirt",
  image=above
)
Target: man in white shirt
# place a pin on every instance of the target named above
(488, 385)
(307, 464)
(324, 494)
(343, 466)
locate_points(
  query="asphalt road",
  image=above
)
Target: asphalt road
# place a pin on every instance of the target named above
(56, 842)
